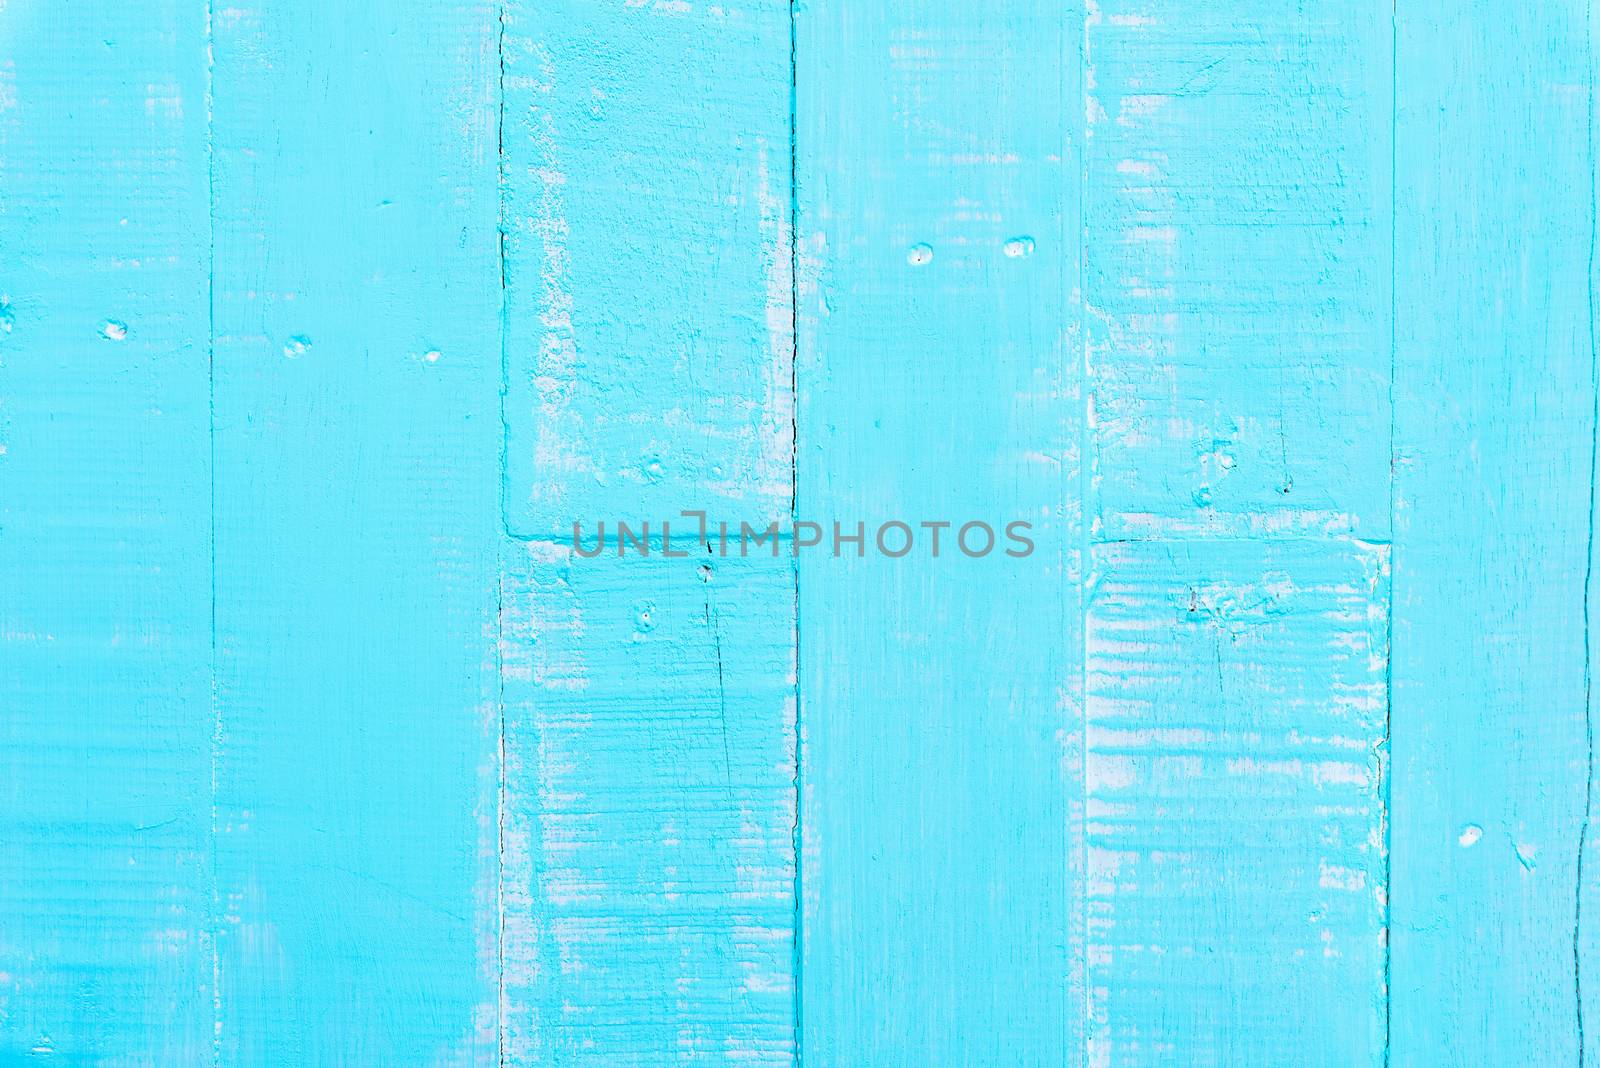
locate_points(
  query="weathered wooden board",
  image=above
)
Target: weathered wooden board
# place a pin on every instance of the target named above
(1236, 700)
(649, 872)
(105, 687)
(322, 325)
(1236, 232)
(357, 444)
(1494, 522)
(648, 358)
(649, 801)
(940, 359)
(1237, 241)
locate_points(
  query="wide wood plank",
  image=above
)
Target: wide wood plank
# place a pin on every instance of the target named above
(105, 689)
(648, 330)
(649, 893)
(357, 448)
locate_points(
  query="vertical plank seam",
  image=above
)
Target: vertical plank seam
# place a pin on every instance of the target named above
(797, 961)
(503, 527)
(215, 918)
(1085, 546)
(1588, 563)
(1386, 756)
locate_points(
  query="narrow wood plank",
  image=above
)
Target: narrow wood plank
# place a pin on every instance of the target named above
(1236, 701)
(357, 449)
(649, 803)
(105, 810)
(1495, 396)
(939, 382)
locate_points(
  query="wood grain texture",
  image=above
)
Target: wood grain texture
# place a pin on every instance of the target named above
(321, 325)
(1237, 235)
(939, 382)
(650, 810)
(649, 702)
(105, 886)
(1494, 410)
(1236, 876)
(648, 338)
(1237, 247)
(357, 446)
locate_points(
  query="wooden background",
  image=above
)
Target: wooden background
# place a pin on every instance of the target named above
(321, 323)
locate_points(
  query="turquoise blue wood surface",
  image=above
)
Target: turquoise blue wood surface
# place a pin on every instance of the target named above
(333, 731)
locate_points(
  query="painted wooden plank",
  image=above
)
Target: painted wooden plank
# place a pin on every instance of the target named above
(1237, 244)
(650, 810)
(105, 817)
(1237, 232)
(1494, 409)
(649, 802)
(648, 325)
(939, 382)
(357, 447)
(1236, 702)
